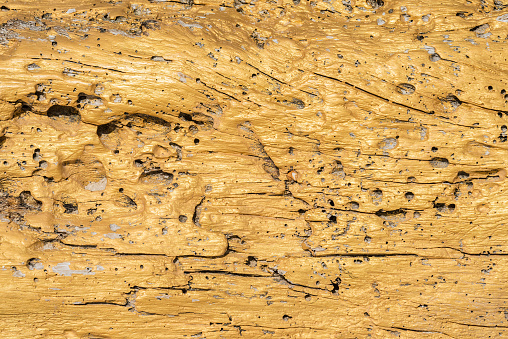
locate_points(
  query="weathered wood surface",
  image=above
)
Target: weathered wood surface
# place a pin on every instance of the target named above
(322, 169)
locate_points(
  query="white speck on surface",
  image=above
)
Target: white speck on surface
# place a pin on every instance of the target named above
(180, 22)
(37, 266)
(113, 236)
(62, 268)
(503, 18)
(429, 49)
(114, 227)
(423, 132)
(183, 77)
(97, 186)
(388, 143)
(18, 274)
(33, 67)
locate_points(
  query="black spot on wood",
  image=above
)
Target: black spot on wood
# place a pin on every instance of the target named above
(150, 24)
(106, 129)
(384, 214)
(70, 208)
(335, 285)
(69, 113)
(185, 116)
(27, 201)
(375, 4)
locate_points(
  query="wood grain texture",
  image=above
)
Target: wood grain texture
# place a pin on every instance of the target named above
(289, 169)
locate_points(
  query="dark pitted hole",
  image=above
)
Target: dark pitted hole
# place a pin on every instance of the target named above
(37, 154)
(150, 24)
(386, 214)
(26, 200)
(185, 116)
(463, 175)
(440, 207)
(298, 103)
(377, 193)
(354, 205)
(286, 317)
(439, 162)
(452, 100)
(68, 112)
(335, 285)
(34, 263)
(251, 261)
(81, 97)
(70, 208)
(406, 89)
(105, 129)
(434, 57)
(375, 4)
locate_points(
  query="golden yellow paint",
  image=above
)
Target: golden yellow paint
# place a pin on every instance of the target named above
(298, 169)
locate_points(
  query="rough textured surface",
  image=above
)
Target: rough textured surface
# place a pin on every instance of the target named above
(302, 169)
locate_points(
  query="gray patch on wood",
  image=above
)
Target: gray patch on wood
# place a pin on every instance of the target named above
(97, 186)
(62, 268)
(439, 162)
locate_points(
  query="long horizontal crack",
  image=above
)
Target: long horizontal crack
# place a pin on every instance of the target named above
(80, 63)
(443, 119)
(253, 275)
